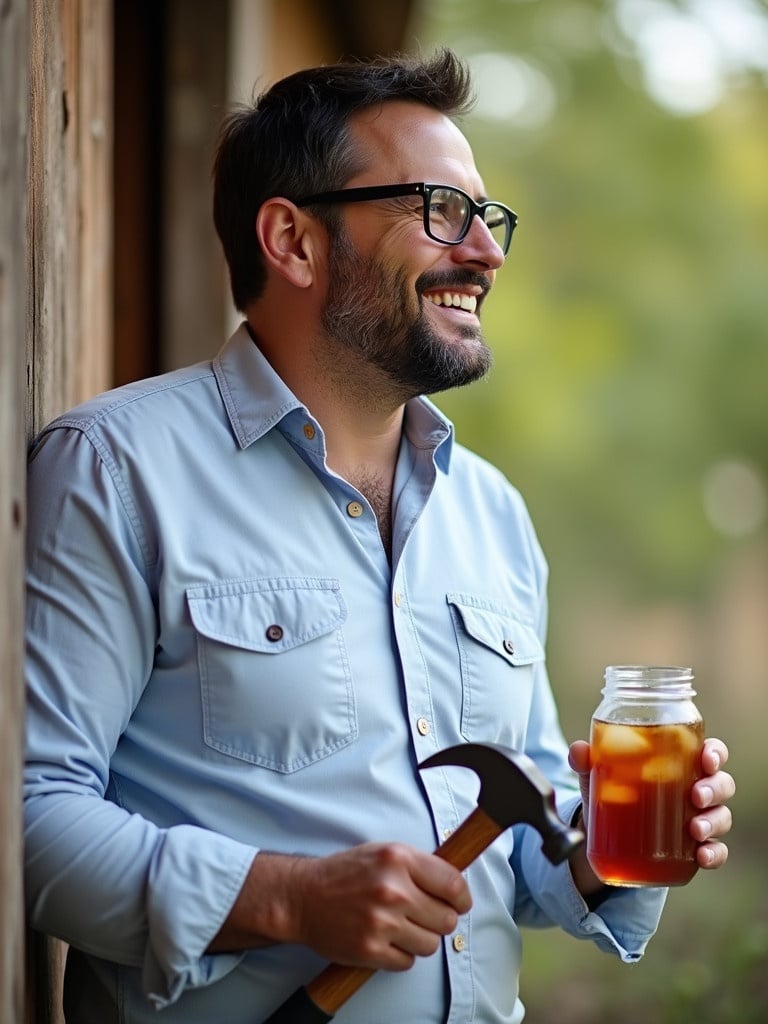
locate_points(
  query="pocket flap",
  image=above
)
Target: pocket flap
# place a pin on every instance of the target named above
(498, 630)
(267, 615)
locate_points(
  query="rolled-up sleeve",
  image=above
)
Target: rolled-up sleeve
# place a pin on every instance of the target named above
(104, 879)
(623, 924)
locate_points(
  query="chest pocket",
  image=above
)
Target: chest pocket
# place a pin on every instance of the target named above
(275, 681)
(498, 655)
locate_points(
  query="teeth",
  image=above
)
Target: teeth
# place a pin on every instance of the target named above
(460, 301)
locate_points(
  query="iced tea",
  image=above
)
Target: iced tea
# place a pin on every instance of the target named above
(639, 807)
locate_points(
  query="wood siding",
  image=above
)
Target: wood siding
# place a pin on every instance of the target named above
(13, 188)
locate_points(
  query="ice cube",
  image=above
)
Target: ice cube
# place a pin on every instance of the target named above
(688, 740)
(663, 769)
(621, 741)
(615, 793)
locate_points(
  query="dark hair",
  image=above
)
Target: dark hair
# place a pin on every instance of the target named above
(294, 141)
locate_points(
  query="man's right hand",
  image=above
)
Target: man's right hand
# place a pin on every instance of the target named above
(378, 905)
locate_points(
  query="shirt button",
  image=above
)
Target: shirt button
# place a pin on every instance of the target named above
(423, 726)
(274, 633)
(459, 943)
(398, 598)
(309, 431)
(354, 509)
(509, 647)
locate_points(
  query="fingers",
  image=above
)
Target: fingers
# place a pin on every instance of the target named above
(442, 881)
(712, 825)
(713, 756)
(713, 790)
(417, 902)
(710, 795)
(716, 786)
(711, 855)
(389, 903)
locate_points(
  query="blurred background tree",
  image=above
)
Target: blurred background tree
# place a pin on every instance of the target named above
(629, 403)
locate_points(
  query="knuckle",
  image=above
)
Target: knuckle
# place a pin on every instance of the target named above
(456, 888)
(371, 949)
(393, 855)
(450, 922)
(386, 893)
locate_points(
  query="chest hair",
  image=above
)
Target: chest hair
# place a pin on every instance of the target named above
(379, 496)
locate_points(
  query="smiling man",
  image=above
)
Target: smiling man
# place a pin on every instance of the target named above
(263, 589)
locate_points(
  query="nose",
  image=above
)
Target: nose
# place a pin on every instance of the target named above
(479, 246)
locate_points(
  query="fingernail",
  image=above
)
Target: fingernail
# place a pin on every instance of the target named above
(709, 855)
(707, 795)
(705, 828)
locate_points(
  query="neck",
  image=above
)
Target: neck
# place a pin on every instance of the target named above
(359, 410)
(361, 442)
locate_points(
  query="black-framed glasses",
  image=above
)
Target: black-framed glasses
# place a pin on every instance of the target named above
(448, 211)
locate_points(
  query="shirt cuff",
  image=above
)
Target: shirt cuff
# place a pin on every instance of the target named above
(194, 879)
(625, 919)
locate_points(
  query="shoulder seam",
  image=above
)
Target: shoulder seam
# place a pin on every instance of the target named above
(79, 422)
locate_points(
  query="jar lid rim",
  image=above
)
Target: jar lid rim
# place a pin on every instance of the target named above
(652, 669)
(648, 675)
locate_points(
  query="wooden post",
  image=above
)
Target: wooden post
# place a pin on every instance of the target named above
(69, 285)
(13, 188)
(69, 213)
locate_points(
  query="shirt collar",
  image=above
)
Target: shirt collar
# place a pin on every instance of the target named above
(257, 399)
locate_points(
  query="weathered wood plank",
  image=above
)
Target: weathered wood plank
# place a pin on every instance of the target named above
(69, 214)
(69, 294)
(95, 131)
(13, 174)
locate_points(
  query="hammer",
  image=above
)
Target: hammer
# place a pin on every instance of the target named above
(512, 791)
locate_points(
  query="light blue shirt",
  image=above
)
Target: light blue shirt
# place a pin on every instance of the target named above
(221, 659)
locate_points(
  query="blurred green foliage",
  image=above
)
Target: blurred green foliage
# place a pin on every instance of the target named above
(630, 332)
(630, 322)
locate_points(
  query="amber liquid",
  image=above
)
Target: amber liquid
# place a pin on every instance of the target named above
(639, 806)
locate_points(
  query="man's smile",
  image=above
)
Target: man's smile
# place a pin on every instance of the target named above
(457, 300)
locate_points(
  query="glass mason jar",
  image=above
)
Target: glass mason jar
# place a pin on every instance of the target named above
(646, 739)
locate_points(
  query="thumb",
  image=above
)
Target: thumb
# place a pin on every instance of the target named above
(579, 758)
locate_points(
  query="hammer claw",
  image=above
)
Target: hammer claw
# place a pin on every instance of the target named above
(512, 791)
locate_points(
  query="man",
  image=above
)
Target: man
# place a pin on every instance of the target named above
(263, 589)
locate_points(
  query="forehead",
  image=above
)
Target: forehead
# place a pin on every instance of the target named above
(402, 140)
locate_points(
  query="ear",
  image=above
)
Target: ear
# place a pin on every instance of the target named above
(290, 240)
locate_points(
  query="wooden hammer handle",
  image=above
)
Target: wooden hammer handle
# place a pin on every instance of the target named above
(334, 985)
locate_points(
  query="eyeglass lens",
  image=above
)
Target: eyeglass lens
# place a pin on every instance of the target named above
(450, 214)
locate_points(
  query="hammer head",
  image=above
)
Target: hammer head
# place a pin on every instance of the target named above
(513, 791)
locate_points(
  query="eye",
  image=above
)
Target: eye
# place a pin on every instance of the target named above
(439, 212)
(448, 206)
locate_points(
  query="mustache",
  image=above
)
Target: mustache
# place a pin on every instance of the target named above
(454, 278)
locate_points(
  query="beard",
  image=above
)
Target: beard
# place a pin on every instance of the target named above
(369, 310)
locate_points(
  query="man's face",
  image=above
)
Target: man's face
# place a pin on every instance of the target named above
(408, 304)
